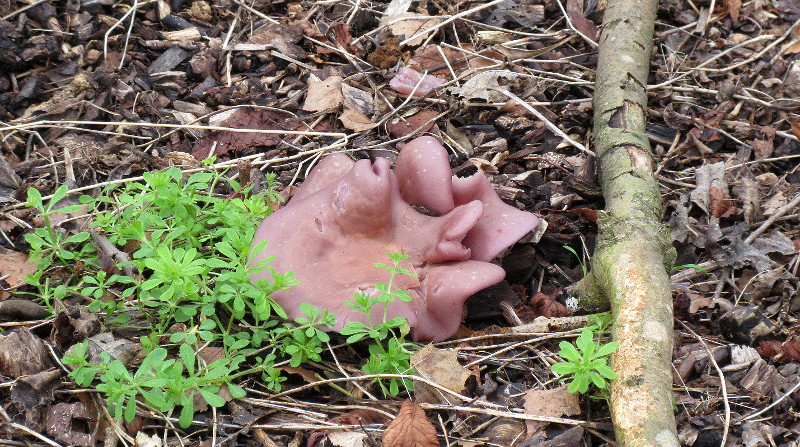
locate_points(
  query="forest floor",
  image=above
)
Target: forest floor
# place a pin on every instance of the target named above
(96, 93)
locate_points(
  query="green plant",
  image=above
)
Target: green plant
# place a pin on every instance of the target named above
(691, 266)
(580, 261)
(586, 360)
(191, 250)
(163, 383)
(395, 357)
(48, 245)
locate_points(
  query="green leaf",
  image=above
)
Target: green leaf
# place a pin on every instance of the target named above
(59, 194)
(188, 358)
(564, 368)
(606, 349)
(236, 391)
(76, 238)
(34, 199)
(569, 352)
(606, 372)
(130, 409)
(211, 397)
(187, 414)
(67, 209)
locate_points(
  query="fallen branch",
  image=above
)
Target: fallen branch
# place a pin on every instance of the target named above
(634, 251)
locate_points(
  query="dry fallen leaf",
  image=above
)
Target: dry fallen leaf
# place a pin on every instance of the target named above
(347, 439)
(441, 367)
(355, 120)
(411, 428)
(553, 403)
(483, 85)
(417, 123)
(323, 95)
(14, 266)
(409, 23)
(733, 7)
(708, 177)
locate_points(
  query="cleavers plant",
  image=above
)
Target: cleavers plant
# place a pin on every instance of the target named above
(587, 359)
(191, 249)
(395, 357)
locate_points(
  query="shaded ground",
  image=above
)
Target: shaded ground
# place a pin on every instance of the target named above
(724, 124)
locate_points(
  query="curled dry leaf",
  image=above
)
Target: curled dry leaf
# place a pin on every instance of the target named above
(411, 428)
(547, 306)
(14, 266)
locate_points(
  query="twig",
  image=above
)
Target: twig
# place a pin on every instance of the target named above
(768, 407)
(553, 128)
(708, 61)
(130, 11)
(110, 249)
(588, 40)
(452, 18)
(723, 387)
(783, 210)
(43, 123)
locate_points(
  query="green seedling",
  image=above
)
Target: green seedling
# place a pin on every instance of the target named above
(580, 261)
(395, 357)
(48, 244)
(692, 266)
(586, 363)
(160, 382)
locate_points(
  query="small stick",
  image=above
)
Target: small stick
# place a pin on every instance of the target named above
(553, 128)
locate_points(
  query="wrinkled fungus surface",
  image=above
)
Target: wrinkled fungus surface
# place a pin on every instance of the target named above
(347, 215)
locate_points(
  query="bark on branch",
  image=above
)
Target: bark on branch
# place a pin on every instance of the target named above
(634, 251)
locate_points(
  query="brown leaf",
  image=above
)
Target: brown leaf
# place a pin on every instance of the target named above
(791, 349)
(359, 416)
(411, 428)
(223, 142)
(769, 348)
(342, 35)
(429, 58)
(721, 204)
(552, 403)
(441, 367)
(708, 177)
(417, 123)
(584, 25)
(323, 95)
(355, 120)
(733, 7)
(796, 124)
(547, 306)
(411, 24)
(22, 354)
(587, 213)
